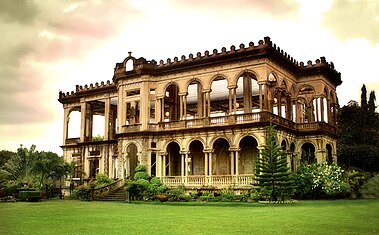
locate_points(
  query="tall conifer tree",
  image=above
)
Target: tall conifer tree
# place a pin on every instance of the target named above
(371, 102)
(364, 97)
(272, 172)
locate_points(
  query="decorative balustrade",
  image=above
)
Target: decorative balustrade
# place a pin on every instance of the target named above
(132, 128)
(260, 117)
(211, 181)
(222, 120)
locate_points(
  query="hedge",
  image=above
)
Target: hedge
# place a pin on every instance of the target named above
(30, 196)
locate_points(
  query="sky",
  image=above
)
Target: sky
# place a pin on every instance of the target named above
(51, 46)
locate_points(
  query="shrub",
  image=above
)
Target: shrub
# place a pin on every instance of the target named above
(371, 187)
(356, 179)
(103, 179)
(141, 175)
(83, 193)
(176, 193)
(320, 181)
(29, 196)
(141, 168)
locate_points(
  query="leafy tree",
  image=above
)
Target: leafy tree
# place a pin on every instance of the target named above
(49, 168)
(5, 155)
(19, 166)
(272, 173)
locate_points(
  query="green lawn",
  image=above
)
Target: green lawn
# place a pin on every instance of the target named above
(75, 217)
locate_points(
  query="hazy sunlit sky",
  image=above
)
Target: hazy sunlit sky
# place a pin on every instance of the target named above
(47, 46)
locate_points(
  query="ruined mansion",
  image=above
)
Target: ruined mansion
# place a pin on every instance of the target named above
(199, 120)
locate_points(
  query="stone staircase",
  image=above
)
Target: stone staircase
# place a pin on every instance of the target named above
(117, 195)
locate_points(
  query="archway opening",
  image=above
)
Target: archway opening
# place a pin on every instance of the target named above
(196, 159)
(293, 162)
(247, 155)
(308, 153)
(195, 100)
(247, 93)
(221, 157)
(329, 155)
(131, 153)
(172, 103)
(73, 128)
(219, 97)
(173, 160)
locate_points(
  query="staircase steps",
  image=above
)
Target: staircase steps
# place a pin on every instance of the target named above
(117, 195)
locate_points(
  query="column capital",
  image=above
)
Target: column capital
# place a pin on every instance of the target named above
(208, 150)
(162, 153)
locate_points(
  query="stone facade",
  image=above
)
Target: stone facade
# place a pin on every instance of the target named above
(199, 121)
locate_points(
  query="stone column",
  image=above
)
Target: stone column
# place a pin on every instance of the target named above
(162, 110)
(204, 104)
(235, 100)
(181, 109)
(83, 112)
(328, 111)
(185, 106)
(260, 98)
(317, 109)
(164, 164)
(186, 168)
(66, 120)
(230, 101)
(209, 104)
(237, 162)
(231, 154)
(106, 117)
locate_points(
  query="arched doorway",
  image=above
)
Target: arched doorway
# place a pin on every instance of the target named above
(308, 153)
(173, 160)
(247, 155)
(196, 165)
(131, 153)
(221, 157)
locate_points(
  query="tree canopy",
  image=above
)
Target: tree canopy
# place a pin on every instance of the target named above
(358, 130)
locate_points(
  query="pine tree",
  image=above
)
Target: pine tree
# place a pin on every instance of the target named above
(272, 173)
(364, 97)
(371, 102)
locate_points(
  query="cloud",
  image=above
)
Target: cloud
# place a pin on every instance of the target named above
(20, 11)
(276, 8)
(37, 36)
(350, 19)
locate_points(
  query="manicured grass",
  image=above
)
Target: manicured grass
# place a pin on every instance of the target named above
(75, 217)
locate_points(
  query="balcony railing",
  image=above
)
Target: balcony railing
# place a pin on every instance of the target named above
(259, 117)
(217, 181)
